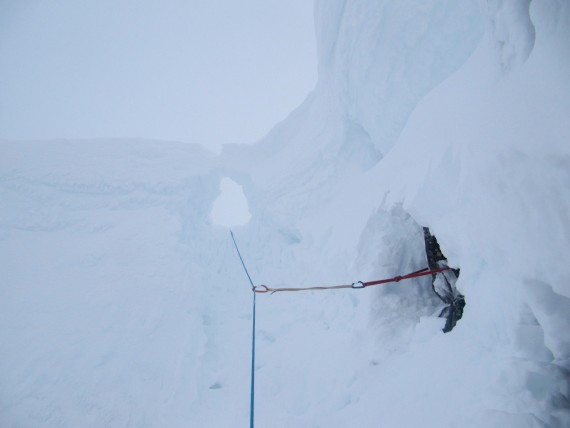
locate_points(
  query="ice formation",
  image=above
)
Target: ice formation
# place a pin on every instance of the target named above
(123, 304)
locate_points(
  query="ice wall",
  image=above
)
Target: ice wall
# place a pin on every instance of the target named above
(481, 160)
(380, 58)
(495, 191)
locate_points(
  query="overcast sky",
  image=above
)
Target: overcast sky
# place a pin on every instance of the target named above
(210, 71)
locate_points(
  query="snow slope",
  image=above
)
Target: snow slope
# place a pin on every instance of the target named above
(123, 303)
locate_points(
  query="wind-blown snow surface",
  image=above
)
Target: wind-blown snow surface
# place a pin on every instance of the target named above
(122, 304)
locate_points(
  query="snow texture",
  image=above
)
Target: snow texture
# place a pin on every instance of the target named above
(123, 303)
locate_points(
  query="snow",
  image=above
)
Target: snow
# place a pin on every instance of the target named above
(123, 302)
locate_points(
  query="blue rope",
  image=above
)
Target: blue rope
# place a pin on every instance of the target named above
(251, 409)
(251, 400)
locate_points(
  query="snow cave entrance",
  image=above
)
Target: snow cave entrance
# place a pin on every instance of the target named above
(230, 209)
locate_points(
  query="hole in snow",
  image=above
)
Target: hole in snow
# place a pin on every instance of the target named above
(230, 208)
